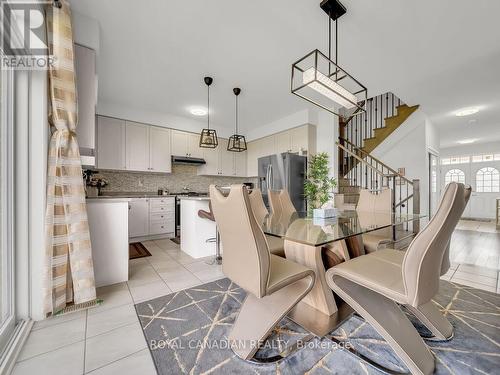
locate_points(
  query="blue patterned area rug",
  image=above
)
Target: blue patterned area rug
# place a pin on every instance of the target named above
(187, 334)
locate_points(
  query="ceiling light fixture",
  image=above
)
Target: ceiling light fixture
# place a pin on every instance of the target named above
(466, 112)
(198, 111)
(321, 81)
(467, 141)
(237, 142)
(208, 137)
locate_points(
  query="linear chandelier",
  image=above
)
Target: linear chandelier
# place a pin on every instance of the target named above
(208, 137)
(321, 81)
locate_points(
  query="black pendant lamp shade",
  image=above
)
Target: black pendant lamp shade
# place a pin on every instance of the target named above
(237, 142)
(208, 137)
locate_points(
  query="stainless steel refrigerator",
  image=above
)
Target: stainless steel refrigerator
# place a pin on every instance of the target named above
(284, 171)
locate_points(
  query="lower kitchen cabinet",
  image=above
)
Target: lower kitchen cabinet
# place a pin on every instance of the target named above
(151, 217)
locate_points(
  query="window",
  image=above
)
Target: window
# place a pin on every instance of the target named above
(488, 180)
(456, 160)
(485, 157)
(456, 175)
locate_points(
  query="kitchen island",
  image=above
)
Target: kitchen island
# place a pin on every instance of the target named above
(195, 231)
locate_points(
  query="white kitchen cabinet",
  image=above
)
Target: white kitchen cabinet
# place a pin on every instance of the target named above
(194, 149)
(211, 166)
(111, 143)
(300, 140)
(160, 159)
(151, 217)
(186, 144)
(240, 164)
(226, 159)
(221, 162)
(179, 143)
(138, 217)
(282, 142)
(137, 146)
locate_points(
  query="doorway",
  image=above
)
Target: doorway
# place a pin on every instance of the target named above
(433, 179)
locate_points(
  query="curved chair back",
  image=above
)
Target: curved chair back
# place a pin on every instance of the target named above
(381, 202)
(287, 207)
(258, 207)
(445, 264)
(246, 254)
(422, 260)
(275, 202)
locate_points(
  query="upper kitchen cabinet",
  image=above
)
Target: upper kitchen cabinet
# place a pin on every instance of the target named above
(137, 147)
(186, 144)
(86, 84)
(111, 143)
(160, 157)
(131, 146)
(297, 140)
(221, 162)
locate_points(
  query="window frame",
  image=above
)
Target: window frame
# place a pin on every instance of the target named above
(449, 173)
(480, 175)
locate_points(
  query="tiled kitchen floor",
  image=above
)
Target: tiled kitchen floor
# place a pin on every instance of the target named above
(108, 339)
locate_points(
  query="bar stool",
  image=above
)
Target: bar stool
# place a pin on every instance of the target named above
(209, 215)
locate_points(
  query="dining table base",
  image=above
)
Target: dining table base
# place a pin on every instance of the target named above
(317, 322)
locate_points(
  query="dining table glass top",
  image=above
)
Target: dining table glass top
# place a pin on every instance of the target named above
(299, 227)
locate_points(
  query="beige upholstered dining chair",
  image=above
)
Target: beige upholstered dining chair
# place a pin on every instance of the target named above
(376, 283)
(275, 202)
(276, 244)
(274, 285)
(287, 207)
(381, 202)
(445, 265)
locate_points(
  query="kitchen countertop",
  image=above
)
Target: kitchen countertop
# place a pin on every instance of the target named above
(194, 198)
(107, 199)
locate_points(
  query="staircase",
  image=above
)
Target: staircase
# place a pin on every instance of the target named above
(360, 134)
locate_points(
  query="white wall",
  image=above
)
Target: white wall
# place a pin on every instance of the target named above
(407, 147)
(327, 126)
(473, 148)
(291, 121)
(86, 31)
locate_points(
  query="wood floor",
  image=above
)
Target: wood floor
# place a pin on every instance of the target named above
(475, 255)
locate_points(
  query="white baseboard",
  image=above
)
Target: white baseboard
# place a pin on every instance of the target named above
(8, 359)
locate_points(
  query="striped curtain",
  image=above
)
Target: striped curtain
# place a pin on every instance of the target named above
(69, 271)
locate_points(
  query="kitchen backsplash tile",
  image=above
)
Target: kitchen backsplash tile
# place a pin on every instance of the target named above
(181, 176)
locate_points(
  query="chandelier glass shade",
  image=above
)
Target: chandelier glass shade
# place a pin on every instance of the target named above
(321, 81)
(237, 142)
(208, 137)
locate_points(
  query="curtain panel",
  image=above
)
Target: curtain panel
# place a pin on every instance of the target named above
(69, 271)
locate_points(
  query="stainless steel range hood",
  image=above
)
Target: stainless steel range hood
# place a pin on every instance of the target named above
(187, 160)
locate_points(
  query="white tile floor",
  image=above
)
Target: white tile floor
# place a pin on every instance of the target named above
(108, 339)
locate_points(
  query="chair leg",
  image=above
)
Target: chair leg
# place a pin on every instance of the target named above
(387, 318)
(432, 318)
(258, 316)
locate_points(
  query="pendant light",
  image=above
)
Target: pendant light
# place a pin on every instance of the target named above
(321, 81)
(208, 137)
(237, 142)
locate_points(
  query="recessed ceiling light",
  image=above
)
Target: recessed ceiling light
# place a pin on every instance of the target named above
(467, 141)
(466, 112)
(198, 111)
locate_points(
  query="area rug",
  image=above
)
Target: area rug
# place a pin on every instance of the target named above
(137, 250)
(187, 333)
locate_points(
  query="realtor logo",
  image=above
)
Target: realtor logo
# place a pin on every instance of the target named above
(23, 32)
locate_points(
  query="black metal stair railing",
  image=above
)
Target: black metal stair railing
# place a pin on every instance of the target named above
(363, 170)
(363, 125)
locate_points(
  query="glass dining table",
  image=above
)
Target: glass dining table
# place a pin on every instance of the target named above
(305, 238)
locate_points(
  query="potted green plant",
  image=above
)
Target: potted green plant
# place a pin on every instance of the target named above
(318, 187)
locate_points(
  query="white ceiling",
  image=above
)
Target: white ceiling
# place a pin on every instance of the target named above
(443, 54)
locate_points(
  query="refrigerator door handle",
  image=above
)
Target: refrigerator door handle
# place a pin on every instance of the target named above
(271, 181)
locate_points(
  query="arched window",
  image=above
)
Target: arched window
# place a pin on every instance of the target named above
(488, 180)
(456, 175)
